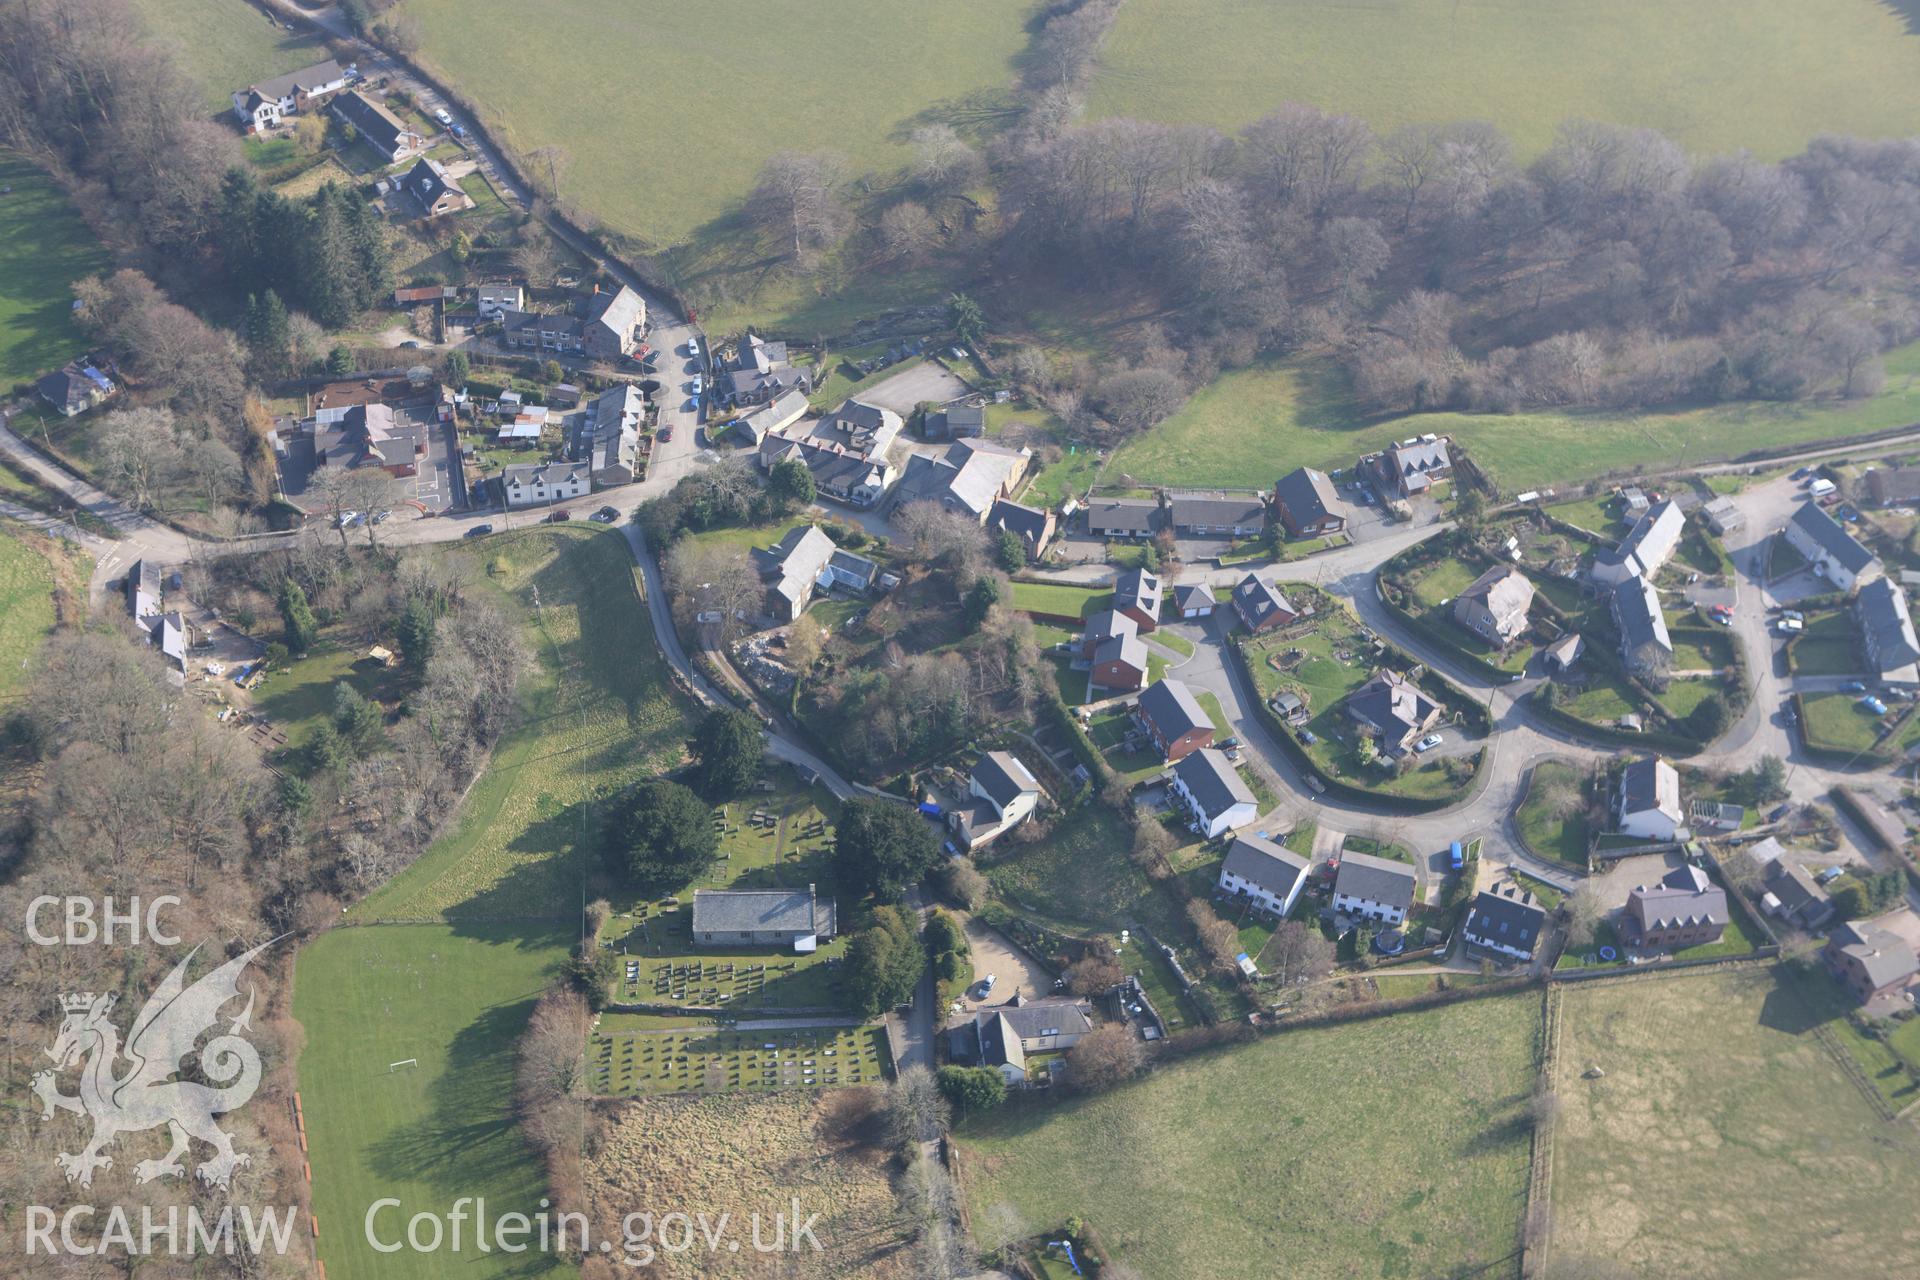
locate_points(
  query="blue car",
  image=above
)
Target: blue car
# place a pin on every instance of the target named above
(1854, 686)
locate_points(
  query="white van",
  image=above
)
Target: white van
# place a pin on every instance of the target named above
(1821, 487)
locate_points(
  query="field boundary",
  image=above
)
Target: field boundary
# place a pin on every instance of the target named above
(1534, 1252)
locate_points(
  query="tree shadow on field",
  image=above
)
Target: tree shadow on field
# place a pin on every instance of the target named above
(468, 1136)
(1909, 11)
(1796, 1005)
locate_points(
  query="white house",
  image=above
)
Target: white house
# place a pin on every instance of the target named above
(1370, 888)
(1269, 874)
(260, 106)
(535, 484)
(492, 299)
(1648, 805)
(1004, 793)
(1213, 792)
(1831, 550)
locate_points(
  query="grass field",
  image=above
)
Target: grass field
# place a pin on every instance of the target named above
(227, 44)
(1720, 1123)
(44, 248)
(597, 714)
(1060, 601)
(26, 608)
(1392, 1147)
(1763, 76)
(1296, 412)
(299, 696)
(455, 998)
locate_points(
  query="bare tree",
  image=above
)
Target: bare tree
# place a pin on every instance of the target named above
(140, 453)
(1585, 912)
(916, 1111)
(942, 161)
(907, 230)
(796, 203)
(1110, 1055)
(1298, 953)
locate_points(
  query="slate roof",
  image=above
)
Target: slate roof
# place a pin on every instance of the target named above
(365, 434)
(564, 324)
(618, 311)
(1213, 782)
(1799, 893)
(1028, 523)
(1257, 599)
(1887, 624)
(1138, 589)
(796, 911)
(1125, 647)
(1222, 511)
(1832, 537)
(1172, 708)
(796, 561)
(552, 473)
(1651, 785)
(1884, 957)
(1374, 879)
(1307, 495)
(1506, 917)
(1194, 595)
(1001, 775)
(1261, 862)
(427, 182)
(781, 411)
(305, 80)
(1685, 897)
(1390, 701)
(1504, 589)
(970, 475)
(372, 119)
(1412, 463)
(1123, 515)
(1889, 485)
(857, 566)
(143, 588)
(1636, 609)
(1109, 623)
(1647, 546)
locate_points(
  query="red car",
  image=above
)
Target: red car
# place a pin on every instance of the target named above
(666, 432)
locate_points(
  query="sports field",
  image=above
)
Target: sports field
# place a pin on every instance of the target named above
(1391, 1147)
(1291, 413)
(1722, 1140)
(44, 248)
(1716, 75)
(596, 714)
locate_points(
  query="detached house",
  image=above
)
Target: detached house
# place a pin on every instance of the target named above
(1033, 526)
(1411, 467)
(762, 373)
(491, 299)
(1214, 793)
(1872, 963)
(792, 569)
(613, 323)
(1886, 629)
(1686, 909)
(1648, 803)
(378, 127)
(1176, 722)
(75, 388)
(1216, 515)
(1261, 605)
(1269, 874)
(437, 194)
(1136, 593)
(1371, 888)
(1832, 551)
(1123, 517)
(1004, 792)
(1114, 650)
(539, 483)
(1005, 1036)
(1794, 895)
(969, 477)
(1307, 505)
(1504, 923)
(773, 417)
(1393, 711)
(261, 106)
(1495, 606)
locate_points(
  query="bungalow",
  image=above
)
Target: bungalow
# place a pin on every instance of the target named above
(1645, 645)
(1686, 909)
(1195, 515)
(1269, 874)
(1307, 505)
(969, 477)
(1373, 888)
(538, 483)
(1194, 600)
(1410, 468)
(1136, 593)
(1495, 606)
(613, 323)
(773, 417)
(1793, 894)
(792, 569)
(606, 435)
(75, 388)
(260, 106)
(1648, 802)
(1123, 517)
(1644, 551)
(378, 127)
(794, 918)
(1504, 923)
(1213, 792)
(1261, 605)
(857, 479)
(1004, 794)
(1033, 526)
(1833, 552)
(1392, 710)
(438, 194)
(558, 331)
(1005, 1036)
(1886, 628)
(1871, 962)
(1176, 722)
(492, 299)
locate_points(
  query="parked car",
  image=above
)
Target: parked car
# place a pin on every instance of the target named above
(1789, 626)
(442, 116)
(381, 517)
(1801, 473)
(1306, 736)
(478, 531)
(1874, 705)
(560, 517)
(1428, 743)
(1854, 686)
(666, 432)
(693, 348)
(1793, 615)
(693, 404)
(697, 385)
(605, 515)
(1456, 857)
(346, 520)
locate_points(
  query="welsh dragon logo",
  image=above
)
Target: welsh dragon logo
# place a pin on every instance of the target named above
(146, 1095)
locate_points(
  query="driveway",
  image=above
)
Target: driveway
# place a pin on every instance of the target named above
(927, 380)
(1014, 972)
